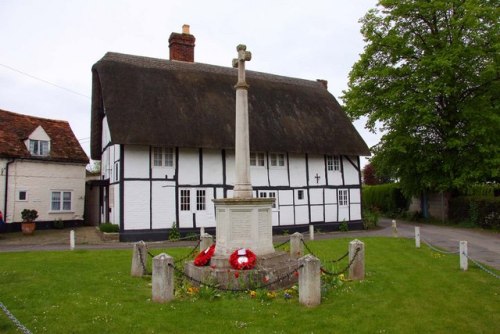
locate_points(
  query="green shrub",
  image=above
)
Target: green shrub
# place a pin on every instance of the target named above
(58, 224)
(109, 228)
(343, 227)
(370, 219)
(479, 211)
(174, 233)
(385, 198)
(482, 190)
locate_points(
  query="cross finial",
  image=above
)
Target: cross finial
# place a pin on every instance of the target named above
(243, 55)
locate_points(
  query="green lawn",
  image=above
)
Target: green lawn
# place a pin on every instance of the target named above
(407, 290)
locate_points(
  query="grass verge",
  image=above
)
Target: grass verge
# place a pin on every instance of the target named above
(406, 290)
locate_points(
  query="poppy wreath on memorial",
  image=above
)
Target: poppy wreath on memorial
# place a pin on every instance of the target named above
(242, 259)
(204, 257)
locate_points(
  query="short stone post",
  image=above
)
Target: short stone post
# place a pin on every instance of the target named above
(296, 245)
(202, 231)
(139, 259)
(162, 279)
(311, 232)
(417, 236)
(394, 229)
(356, 260)
(309, 280)
(464, 262)
(72, 239)
(206, 240)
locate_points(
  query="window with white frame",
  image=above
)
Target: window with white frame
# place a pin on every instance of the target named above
(185, 200)
(333, 162)
(277, 159)
(343, 196)
(270, 194)
(163, 157)
(39, 147)
(60, 201)
(257, 159)
(200, 200)
(22, 195)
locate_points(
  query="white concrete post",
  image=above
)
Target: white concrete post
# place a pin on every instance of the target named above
(206, 240)
(394, 229)
(202, 231)
(357, 260)
(417, 236)
(139, 259)
(311, 232)
(309, 280)
(464, 263)
(162, 278)
(296, 245)
(72, 239)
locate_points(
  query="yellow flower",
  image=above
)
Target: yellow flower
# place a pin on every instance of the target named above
(253, 293)
(341, 277)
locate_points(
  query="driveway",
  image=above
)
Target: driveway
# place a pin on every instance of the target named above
(483, 246)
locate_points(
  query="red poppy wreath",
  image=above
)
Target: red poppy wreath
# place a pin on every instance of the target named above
(242, 259)
(204, 257)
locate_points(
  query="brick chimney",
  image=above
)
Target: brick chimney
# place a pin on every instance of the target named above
(182, 45)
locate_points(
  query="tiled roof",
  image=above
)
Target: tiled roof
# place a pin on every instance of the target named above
(16, 128)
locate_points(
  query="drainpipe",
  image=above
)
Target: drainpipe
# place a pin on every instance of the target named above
(6, 188)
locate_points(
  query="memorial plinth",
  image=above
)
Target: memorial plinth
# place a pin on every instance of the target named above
(244, 223)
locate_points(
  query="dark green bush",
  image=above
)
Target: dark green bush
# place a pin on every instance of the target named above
(481, 190)
(58, 224)
(370, 219)
(385, 198)
(109, 228)
(479, 211)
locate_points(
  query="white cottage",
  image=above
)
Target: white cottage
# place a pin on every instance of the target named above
(164, 132)
(42, 167)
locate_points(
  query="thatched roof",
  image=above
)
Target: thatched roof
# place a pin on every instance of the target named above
(160, 102)
(16, 128)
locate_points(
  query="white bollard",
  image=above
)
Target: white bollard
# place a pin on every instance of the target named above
(311, 232)
(296, 245)
(309, 280)
(162, 279)
(394, 229)
(357, 260)
(202, 231)
(72, 239)
(464, 263)
(417, 236)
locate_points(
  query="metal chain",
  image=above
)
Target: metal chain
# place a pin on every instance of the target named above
(282, 244)
(278, 279)
(481, 266)
(346, 268)
(311, 252)
(436, 249)
(190, 253)
(18, 324)
(340, 258)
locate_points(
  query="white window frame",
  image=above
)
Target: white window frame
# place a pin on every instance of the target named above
(61, 201)
(333, 163)
(163, 157)
(39, 148)
(257, 159)
(277, 160)
(343, 197)
(185, 199)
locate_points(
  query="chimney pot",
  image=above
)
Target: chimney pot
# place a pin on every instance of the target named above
(182, 45)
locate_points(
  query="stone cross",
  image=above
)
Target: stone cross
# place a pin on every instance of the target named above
(242, 184)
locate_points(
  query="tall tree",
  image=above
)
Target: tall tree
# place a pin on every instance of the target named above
(429, 79)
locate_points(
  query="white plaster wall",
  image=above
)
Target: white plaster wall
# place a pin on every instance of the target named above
(114, 193)
(334, 178)
(301, 214)
(286, 215)
(330, 213)
(317, 213)
(331, 196)
(278, 176)
(163, 203)
(106, 136)
(136, 205)
(297, 170)
(188, 169)
(316, 167)
(355, 211)
(136, 159)
(39, 179)
(351, 174)
(316, 196)
(286, 197)
(258, 176)
(212, 166)
(230, 167)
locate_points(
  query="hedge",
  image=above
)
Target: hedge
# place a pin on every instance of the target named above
(385, 198)
(480, 211)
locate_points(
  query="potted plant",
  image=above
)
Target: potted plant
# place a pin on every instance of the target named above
(28, 225)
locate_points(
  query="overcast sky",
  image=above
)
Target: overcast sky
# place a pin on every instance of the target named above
(49, 46)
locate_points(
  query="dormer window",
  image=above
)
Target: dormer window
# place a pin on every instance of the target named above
(39, 147)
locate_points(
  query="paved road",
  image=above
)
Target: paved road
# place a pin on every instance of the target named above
(482, 246)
